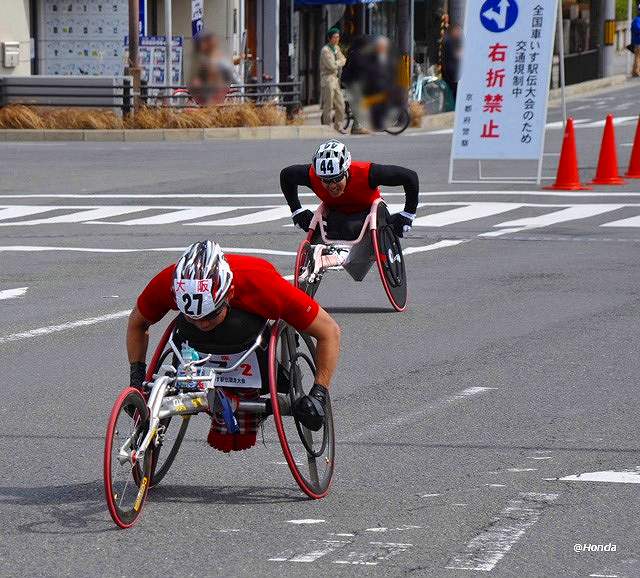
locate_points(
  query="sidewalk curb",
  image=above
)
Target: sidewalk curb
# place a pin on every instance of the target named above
(172, 135)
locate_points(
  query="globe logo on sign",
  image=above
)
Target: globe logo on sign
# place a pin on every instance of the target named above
(499, 15)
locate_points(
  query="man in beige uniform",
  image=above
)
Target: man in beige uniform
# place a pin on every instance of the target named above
(331, 62)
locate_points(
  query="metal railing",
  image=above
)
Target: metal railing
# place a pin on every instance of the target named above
(121, 95)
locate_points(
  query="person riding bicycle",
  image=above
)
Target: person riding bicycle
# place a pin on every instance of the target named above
(348, 189)
(207, 286)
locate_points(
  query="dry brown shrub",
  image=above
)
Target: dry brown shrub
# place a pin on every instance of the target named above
(80, 119)
(19, 116)
(272, 115)
(416, 112)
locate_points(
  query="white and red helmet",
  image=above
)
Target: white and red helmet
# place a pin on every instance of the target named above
(202, 280)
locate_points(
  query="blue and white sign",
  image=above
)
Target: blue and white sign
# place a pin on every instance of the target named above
(499, 15)
(197, 15)
(502, 96)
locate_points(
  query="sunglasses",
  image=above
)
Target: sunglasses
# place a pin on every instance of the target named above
(328, 181)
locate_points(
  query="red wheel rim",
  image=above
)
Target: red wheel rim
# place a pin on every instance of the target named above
(108, 489)
(277, 416)
(380, 261)
(299, 257)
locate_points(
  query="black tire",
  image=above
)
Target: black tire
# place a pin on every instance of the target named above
(397, 120)
(390, 260)
(348, 116)
(163, 460)
(433, 98)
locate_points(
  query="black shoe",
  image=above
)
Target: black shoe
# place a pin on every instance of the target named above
(309, 410)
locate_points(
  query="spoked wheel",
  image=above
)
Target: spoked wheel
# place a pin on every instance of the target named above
(390, 260)
(304, 262)
(171, 432)
(126, 480)
(309, 454)
(397, 120)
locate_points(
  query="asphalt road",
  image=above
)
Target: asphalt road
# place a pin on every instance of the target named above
(514, 366)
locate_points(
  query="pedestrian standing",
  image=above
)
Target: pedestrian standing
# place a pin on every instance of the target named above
(331, 62)
(635, 40)
(353, 79)
(451, 57)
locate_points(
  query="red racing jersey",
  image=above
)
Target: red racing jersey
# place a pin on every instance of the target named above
(358, 195)
(258, 289)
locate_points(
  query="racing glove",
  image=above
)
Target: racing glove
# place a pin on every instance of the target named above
(401, 223)
(137, 373)
(309, 410)
(302, 218)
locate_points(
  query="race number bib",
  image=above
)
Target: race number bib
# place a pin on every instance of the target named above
(194, 297)
(247, 375)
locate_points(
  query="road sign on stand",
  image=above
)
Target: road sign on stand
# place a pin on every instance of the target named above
(501, 107)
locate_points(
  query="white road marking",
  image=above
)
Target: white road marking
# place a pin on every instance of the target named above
(617, 121)
(13, 293)
(38, 248)
(603, 576)
(612, 477)
(539, 457)
(484, 551)
(439, 245)
(430, 495)
(341, 534)
(306, 521)
(497, 485)
(20, 211)
(264, 216)
(84, 215)
(62, 327)
(417, 414)
(518, 470)
(467, 213)
(177, 216)
(629, 222)
(569, 214)
(320, 548)
(375, 553)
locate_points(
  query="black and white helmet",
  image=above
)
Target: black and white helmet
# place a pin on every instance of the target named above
(332, 160)
(201, 280)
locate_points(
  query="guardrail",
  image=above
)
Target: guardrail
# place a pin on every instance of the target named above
(121, 96)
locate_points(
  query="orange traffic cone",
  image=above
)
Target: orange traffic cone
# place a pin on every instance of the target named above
(568, 178)
(634, 164)
(607, 173)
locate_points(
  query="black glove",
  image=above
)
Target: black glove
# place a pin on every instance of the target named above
(401, 223)
(309, 409)
(303, 219)
(137, 373)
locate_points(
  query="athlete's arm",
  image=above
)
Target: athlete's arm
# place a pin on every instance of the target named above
(395, 176)
(290, 179)
(327, 334)
(137, 337)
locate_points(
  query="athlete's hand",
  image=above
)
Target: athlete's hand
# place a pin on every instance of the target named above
(303, 219)
(401, 223)
(137, 373)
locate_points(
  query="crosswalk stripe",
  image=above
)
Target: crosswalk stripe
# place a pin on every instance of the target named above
(569, 214)
(484, 551)
(374, 553)
(177, 216)
(319, 548)
(19, 211)
(83, 216)
(630, 222)
(462, 214)
(265, 216)
(617, 121)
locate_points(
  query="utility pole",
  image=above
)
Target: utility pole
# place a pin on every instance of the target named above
(133, 69)
(404, 42)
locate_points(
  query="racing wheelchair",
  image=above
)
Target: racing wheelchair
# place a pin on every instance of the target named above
(267, 363)
(377, 242)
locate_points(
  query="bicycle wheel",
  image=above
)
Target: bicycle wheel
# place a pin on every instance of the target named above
(309, 455)
(348, 116)
(397, 120)
(171, 432)
(390, 260)
(126, 481)
(302, 270)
